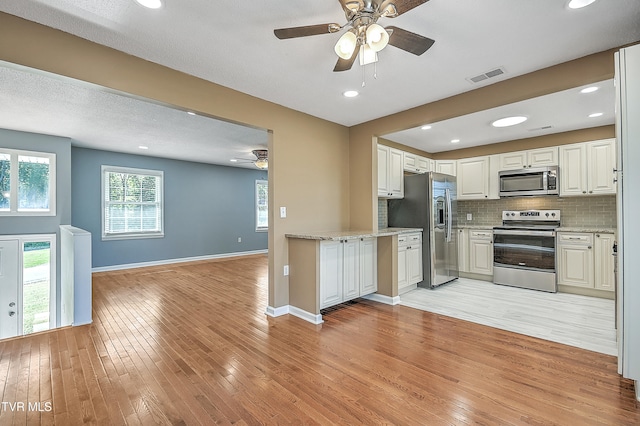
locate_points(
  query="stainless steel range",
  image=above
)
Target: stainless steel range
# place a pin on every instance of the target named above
(524, 249)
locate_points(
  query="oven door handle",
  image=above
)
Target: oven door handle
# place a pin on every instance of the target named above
(524, 247)
(523, 232)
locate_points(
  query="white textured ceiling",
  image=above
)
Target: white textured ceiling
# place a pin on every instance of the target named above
(95, 118)
(231, 43)
(558, 112)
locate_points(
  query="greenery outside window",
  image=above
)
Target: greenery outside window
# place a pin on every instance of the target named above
(132, 203)
(27, 183)
(262, 205)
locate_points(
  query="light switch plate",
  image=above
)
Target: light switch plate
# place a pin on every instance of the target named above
(283, 212)
(469, 216)
(286, 270)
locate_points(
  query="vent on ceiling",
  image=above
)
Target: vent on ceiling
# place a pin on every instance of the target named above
(537, 129)
(487, 75)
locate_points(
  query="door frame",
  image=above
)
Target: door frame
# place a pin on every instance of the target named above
(53, 285)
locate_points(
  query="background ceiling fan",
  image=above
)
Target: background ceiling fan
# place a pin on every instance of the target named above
(261, 161)
(365, 36)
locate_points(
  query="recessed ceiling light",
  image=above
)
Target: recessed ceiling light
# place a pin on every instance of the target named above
(589, 89)
(151, 4)
(509, 121)
(577, 4)
(455, 140)
(350, 94)
(233, 160)
(595, 114)
(143, 147)
(427, 127)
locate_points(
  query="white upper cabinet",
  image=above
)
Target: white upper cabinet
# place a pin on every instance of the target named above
(415, 163)
(473, 178)
(446, 166)
(390, 172)
(533, 158)
(588, 168)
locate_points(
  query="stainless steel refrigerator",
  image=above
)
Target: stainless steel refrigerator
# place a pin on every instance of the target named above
(430, 203)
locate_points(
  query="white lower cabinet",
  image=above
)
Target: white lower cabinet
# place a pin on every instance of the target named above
(409, 260)
(463, 250)
(481, 251)
(348, 269)
(585, 260)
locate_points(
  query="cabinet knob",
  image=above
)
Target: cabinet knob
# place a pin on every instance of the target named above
(584, 192)
(590, 192)
(589, 247)
(598, 235)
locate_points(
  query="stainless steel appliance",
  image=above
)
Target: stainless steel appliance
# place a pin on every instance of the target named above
(534, 181)
(524, 249)
(430, 203)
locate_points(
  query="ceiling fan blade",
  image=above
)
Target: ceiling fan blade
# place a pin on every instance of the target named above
(400, 6)
(346, 64)
(309, 30)
(408, 41)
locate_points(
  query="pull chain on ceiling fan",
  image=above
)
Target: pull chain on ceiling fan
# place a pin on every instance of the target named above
(365, 37)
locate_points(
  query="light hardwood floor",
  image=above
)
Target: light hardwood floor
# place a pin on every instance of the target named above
(189, 344)
(581, 321)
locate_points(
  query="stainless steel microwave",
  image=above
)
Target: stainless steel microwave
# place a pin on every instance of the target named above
(535, 181)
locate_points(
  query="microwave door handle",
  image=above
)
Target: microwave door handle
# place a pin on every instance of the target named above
(545, 181)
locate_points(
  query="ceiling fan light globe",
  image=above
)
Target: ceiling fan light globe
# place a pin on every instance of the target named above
(377, 37)
(346, 45)
(262, 163)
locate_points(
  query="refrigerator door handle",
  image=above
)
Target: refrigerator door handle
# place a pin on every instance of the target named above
(448, 213)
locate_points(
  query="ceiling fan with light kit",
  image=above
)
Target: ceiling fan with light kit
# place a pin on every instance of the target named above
(261, 161)
(364, 36)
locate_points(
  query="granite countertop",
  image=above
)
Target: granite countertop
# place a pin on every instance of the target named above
(350, 235)
(587, 228)
(476, 226)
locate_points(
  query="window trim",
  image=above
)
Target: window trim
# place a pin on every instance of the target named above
(130, 235)
(261, 182)
(14, 181)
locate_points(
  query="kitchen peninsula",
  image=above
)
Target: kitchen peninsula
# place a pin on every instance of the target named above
(328, 268)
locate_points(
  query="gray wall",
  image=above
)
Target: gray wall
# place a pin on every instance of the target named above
(207, 207)
(14, 225)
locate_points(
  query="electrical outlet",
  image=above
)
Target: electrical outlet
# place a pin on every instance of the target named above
(286, 270)
(239, 239)
(469, 216)
(283, 212)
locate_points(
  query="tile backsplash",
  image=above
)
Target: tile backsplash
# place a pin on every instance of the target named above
(599, 211)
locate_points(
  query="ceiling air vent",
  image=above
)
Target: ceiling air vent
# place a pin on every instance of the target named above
(487, 75)
(537, 129)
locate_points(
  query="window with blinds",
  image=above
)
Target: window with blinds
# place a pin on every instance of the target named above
(262, 205)
(132, 203)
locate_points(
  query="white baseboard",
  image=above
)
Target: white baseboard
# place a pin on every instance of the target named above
(381, 298)
(307, 316)
(180, 260)
(296, 312)
(277, 312)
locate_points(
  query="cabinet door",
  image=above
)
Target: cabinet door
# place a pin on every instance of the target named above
(410, 162)
(368, 266)
(481, 253)
(542, 157)
(330, 273)
(383, 171)
(601, 161)
(403, 278)
(603, 253)
(350, 269)
(396, 173)
(575, 265)
(573, 173)
(423, 164)
(446, 166)
(473, 178)
(463, 250)
(414, 264)
(513, 160)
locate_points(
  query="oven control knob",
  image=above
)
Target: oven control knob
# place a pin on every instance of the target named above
(513, 214)
(553, 214)
(547, 214)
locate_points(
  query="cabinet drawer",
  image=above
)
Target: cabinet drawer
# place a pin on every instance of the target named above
(481, 235)
(408, 239)
(575, 238)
